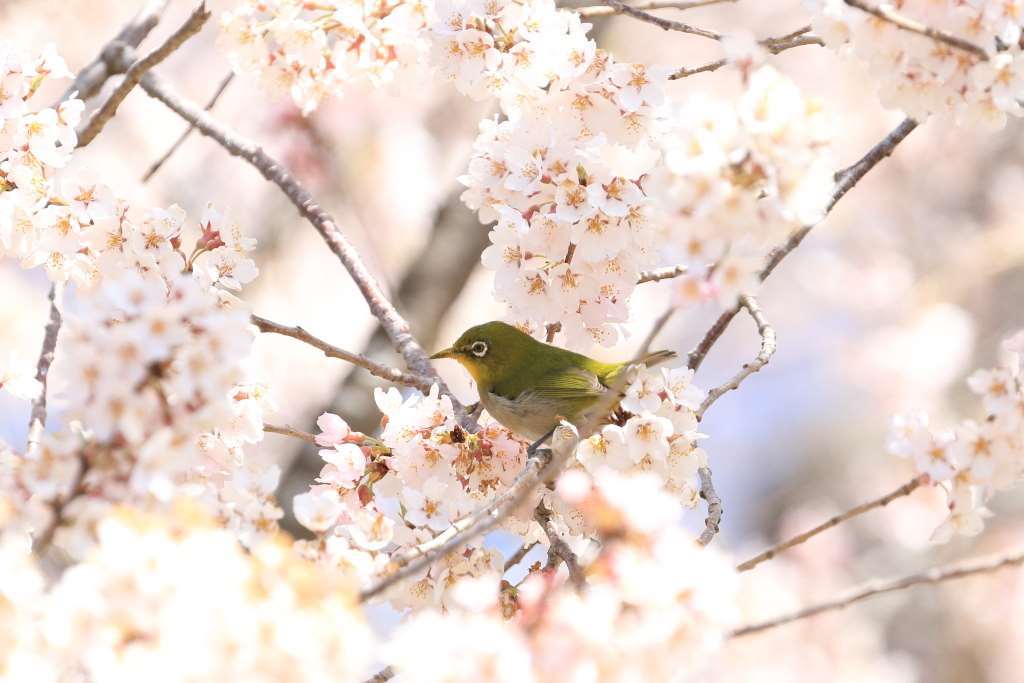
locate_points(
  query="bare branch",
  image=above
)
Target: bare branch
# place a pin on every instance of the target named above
(92, 77)
(775, 45)
(619, 7)
(845, 181)
(188, 131)
(37, 418)
(42, 541)
(285, 430)
(907, 24)
(382, 676)
(768, 344)
(934, 575)
(559, 550)
(137, 70)
(714, 518)
(519, 554)
(656, 329)
(390, 319)
(374, 368)
(710, 66)
(902, 491)
(605, 11)
(659, 274)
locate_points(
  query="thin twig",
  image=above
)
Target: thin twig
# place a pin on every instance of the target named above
(519, 554)
(907, 24)
(37, 418)
(43, 540)
(845, 181)
(188, 131)
(559, 550)
(933, 575)
(285, 430)
(902, 491)
(382, 676)
(92, 77)
(774, 45)
(373, 367)
(619, 7)
(656, 329)
(390, 319)
(605, 11)
(710, 66)
(659, 274)
(714, 518)
(765, 354)
(136, 71)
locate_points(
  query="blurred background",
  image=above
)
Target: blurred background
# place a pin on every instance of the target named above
(907, 287)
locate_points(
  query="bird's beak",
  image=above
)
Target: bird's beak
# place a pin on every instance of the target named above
(444, 353)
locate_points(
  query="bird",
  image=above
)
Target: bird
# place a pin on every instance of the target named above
(529, 386)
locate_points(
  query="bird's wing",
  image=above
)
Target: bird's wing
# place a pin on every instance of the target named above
(571, 383)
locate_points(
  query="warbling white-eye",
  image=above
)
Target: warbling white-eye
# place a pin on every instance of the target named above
(529, 386)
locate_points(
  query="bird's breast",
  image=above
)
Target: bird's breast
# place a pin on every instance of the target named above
(530, 417)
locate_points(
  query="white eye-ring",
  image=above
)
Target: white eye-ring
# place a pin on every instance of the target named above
(479, 349)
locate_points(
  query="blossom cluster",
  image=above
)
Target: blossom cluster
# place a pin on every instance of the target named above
(922, 75)
(973, 460)
(309, 50)
(659, 435)
(656, 606)
(589, 174)
(736, 179)
(377, 499)
(42, 215)
(513, 49)
(562, 175)
(149, 376)
(176, 594)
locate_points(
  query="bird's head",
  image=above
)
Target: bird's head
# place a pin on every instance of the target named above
(490, 351)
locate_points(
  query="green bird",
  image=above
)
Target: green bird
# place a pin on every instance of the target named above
(530, 386)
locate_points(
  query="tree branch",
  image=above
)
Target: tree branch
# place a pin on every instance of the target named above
(382, 676)
(374, 368)
(42, 541)
(656, 329)
(285, 430)
(156, 165)
(559, 550)
(619, 7)
(845, 181)
(775, 45)
(768, 345)
(137, 70)
(37, 418)
(519, 554)
(934, 575)
(92, 77)
(390, 319)
(902, 491)
(659, 274)
(605, 11)
(714, 518)
(907, 24)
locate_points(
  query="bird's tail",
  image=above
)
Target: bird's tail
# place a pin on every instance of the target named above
(656, 357)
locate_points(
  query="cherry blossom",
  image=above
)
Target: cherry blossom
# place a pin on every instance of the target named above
(975, 459)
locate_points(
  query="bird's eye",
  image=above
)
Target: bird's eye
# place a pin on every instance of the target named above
(479, 349)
